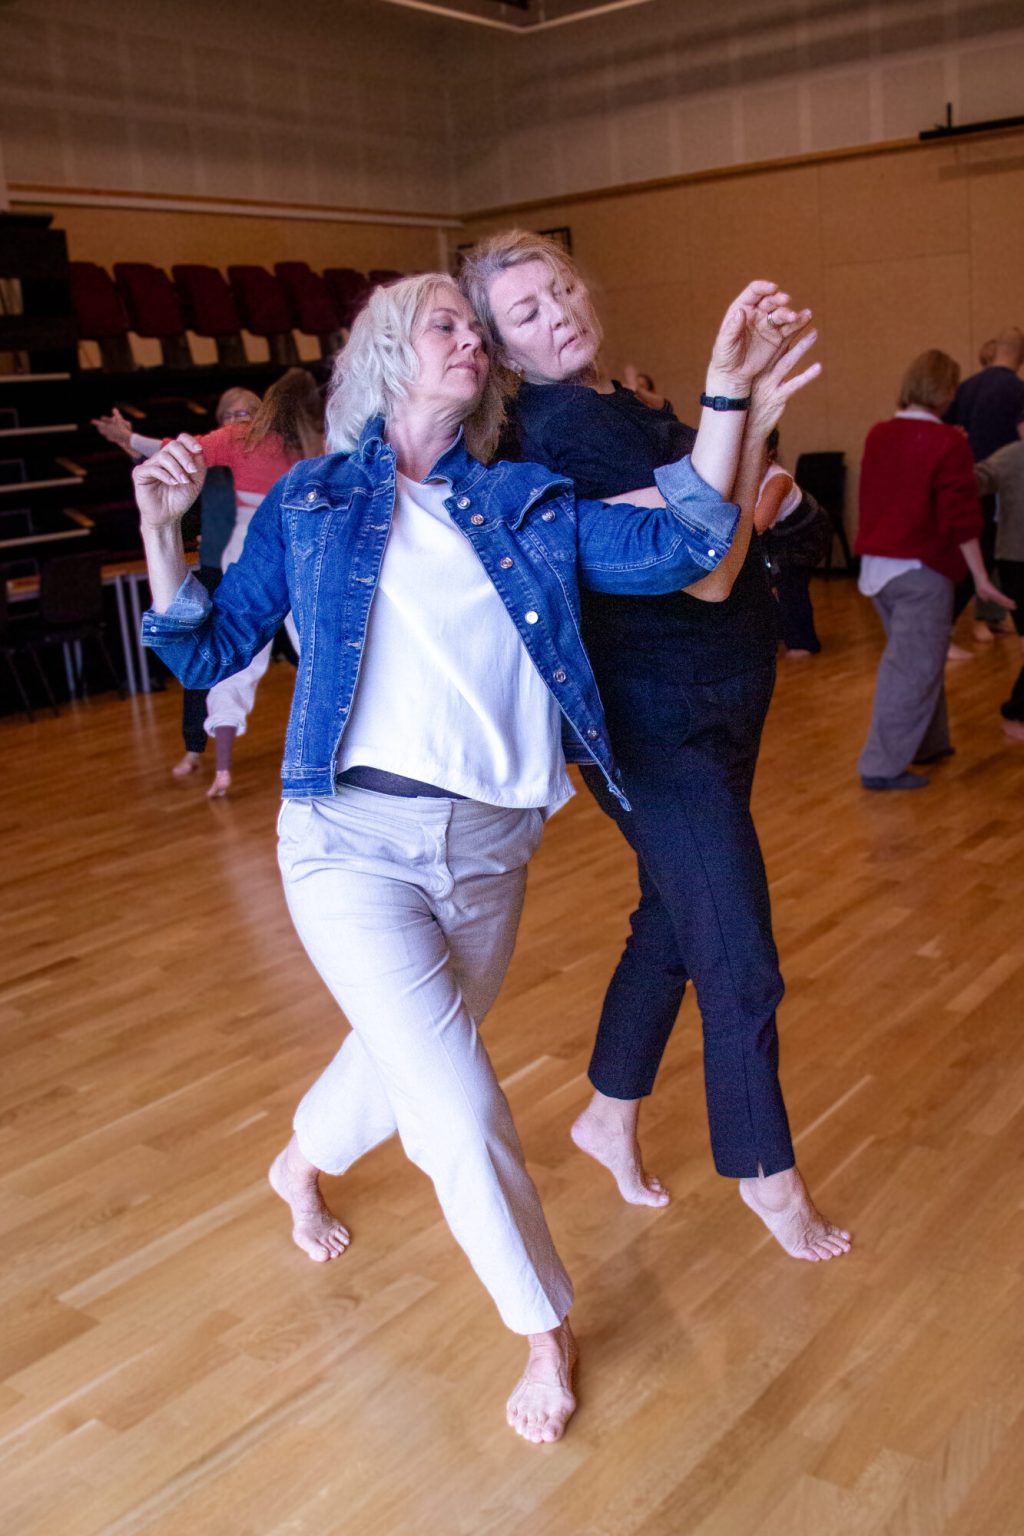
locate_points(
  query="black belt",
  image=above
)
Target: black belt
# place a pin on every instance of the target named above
(384, 783)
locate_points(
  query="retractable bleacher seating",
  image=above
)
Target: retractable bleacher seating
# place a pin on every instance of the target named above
(314, 311)
(154, 309)
(210, 310)
(265, 311)
(101, 315)
(349, 289)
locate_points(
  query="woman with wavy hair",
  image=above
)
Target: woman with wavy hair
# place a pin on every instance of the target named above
(686, 685)
(437, 606)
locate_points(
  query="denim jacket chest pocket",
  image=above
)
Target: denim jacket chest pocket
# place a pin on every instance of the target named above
(549, 530)
(309, 515)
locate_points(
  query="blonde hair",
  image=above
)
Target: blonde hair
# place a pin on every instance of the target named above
(514, 248)
(931, 381)
(379, 362)
(293, 409)
(236, 399)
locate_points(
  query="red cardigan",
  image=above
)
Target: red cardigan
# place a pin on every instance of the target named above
(918, 499)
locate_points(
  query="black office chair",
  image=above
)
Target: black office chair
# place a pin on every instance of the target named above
(824, 476)
(71, 612)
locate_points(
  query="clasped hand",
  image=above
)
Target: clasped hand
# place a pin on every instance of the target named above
(167, 484)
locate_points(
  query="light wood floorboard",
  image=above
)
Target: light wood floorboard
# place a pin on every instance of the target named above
(171, 1366)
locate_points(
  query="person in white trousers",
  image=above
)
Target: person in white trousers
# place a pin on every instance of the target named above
(437, 605)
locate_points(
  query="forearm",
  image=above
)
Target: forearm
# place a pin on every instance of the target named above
(716, 586)
(165, 557)
(720, 436)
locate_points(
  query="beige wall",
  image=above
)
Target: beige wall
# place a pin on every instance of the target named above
(332, 102)
(894, 252)
(678, 86)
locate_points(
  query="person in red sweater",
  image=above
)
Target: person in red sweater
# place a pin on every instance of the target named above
(920, 521)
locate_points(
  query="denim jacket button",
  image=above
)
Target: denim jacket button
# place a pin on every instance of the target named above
(311, 495)
(531, 616)
(548, 516)
(506, 562)
(477, 517)
(462, 503)
(592, 734)
(559, 676)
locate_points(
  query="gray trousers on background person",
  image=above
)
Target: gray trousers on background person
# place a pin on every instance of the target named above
(909, 717)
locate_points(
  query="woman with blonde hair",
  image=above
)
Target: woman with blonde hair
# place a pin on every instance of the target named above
(437, 605)
(920, 525)
(686, 684)
(285, 427)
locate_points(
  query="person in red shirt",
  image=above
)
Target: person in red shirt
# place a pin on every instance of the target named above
(920, 521)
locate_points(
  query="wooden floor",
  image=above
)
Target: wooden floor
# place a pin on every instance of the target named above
(172, 1365)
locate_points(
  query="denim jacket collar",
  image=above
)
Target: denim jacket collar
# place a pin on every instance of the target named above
(457, 466)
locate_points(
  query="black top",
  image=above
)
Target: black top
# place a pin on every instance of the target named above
(988, 406)
(609, 445)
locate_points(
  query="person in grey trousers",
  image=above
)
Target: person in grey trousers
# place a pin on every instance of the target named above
(920, 522)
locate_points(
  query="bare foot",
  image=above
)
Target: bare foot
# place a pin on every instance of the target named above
(787, 1210)
(314, 1229)
(186, 765)
(957, 653)
(220, 786)
(543, 1401)
(606, 1131)
(1014, 729)
(796, 655)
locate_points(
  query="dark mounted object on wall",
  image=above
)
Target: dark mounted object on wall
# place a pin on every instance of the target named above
(951, 130)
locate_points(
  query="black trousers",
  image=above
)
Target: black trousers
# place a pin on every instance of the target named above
(193, 703)
(687, 753)
(795, 609)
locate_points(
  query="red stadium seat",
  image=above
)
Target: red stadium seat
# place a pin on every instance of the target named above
(349, 289)
(210, 310)
(101, 314)
(314, 312)
(381, 277)
(154, 309)
(265, 311)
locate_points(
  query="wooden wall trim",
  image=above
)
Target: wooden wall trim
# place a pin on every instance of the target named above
(728, 172)
(27, 194)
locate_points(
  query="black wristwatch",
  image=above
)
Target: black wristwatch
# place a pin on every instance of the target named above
(725, 402)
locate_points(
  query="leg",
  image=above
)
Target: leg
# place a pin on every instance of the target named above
(639, 1011)
(796, 612)
(228, 706)
(915, 609)
(193, 703)
(691, 826)
(372, 891)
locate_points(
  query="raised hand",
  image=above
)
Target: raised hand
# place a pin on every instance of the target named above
(167, 484)
(115, 429)
(756, 326)
(773, 388)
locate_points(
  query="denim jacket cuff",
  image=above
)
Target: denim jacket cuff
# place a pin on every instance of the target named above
(188, 609)
(703, 507)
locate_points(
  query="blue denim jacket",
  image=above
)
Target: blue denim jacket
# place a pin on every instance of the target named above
(316, 543)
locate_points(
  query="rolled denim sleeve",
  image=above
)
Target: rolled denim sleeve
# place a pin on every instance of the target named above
(203, 639)
(189, 608)
(653, 550)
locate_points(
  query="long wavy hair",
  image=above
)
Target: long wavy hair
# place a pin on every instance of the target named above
(513, 248)
(379, 362)
(293, 409)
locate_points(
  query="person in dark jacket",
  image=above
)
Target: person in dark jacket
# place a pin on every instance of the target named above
(686, 686)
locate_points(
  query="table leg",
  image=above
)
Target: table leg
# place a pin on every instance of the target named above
(127, 639)
(142, 660)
